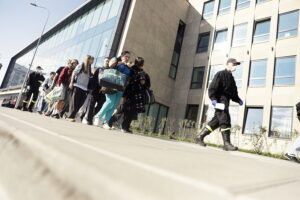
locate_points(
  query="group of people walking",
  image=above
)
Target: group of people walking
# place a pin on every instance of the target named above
(78, 85)
(77, 81)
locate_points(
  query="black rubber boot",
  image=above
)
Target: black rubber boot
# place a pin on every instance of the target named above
(227, 143)
(24, 107)
(30, 107)
(204, 132)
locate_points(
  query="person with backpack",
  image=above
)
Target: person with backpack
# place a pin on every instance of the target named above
(113, 98)
(221, 90)
(33, 84)
(134, 97)
(79, 84)
(291, 155)
(97, 95)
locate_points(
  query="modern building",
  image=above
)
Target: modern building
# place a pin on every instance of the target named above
(184, 43)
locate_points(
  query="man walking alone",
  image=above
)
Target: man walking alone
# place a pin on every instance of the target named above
(34, 82)
(221, 90)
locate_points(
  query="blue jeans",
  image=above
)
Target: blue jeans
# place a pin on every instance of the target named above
(112, 101)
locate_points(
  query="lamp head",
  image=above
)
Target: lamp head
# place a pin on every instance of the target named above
(33, 4)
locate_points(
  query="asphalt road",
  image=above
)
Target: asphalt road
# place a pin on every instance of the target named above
(141, 167)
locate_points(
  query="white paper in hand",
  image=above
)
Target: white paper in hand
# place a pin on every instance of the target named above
(220, 106)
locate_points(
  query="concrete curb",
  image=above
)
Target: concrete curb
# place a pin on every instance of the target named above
(25, 174)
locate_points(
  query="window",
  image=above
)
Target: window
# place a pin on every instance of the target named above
(213, 70)
(197, 77)
(242, 4)
(220, 40)
(262, 31)
(203, 42)
(234, 111)
(208, 9)
(254, 117)
(177, 50)
(281, 122)
(192, 112)
(288, 24)
(224, 6)
(239, 35)
(158, 112)
(238, 75)
(285, 71)
(261, 1)
(258, 73)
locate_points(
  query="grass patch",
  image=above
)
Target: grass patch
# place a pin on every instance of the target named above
(278, 156)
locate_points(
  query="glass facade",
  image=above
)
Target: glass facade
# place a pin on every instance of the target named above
(285, 71)
(197, 77)
(288, 24)
(258, 73)
(281, 122)
(90, 33)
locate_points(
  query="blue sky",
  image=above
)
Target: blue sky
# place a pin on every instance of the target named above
(21, 23)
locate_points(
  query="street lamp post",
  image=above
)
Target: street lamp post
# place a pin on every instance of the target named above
(35, 51)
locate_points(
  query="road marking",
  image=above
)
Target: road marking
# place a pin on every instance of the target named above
(224, 194)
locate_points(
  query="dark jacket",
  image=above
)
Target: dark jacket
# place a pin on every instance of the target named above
(298, 110)
(35, 80)
(223, 88)
(135, 91)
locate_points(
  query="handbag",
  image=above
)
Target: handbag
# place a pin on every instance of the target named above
(58, 93)
(106, 90)
(113, 79)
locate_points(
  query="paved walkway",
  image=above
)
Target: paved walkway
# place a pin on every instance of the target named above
(101, 164)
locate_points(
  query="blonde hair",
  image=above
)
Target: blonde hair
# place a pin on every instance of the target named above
(86, 65)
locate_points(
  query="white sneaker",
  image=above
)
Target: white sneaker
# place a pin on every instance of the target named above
(84, 121)
(96, 121)
(105, 126)
(124, 131)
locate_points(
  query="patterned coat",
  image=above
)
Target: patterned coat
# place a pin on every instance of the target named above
(135, 91)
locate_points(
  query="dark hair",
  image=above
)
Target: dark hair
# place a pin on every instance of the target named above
(139, 61)
(52, 73)
(125, 52)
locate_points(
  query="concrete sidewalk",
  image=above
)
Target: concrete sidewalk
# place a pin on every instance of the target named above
(45, 158)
